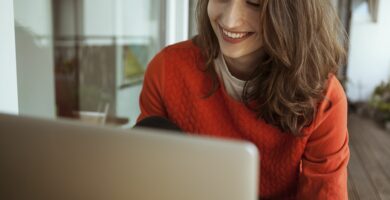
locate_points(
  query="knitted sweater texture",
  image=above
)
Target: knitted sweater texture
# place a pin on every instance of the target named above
(313, 166)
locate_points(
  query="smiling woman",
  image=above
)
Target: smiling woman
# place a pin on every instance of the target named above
(262, 71)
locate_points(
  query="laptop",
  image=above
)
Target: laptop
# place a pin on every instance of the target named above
(44, 159)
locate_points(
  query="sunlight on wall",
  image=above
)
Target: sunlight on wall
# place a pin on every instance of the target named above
(8, 77)
(369, 59)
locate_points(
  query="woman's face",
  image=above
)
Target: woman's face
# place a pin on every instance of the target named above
(236, 25)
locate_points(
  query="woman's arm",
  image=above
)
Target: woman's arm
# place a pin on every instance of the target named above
(324, 163)
(151, 98)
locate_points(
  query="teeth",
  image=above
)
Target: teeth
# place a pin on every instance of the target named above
(234, 35)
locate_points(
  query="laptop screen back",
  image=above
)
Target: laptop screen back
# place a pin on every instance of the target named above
(41, 159)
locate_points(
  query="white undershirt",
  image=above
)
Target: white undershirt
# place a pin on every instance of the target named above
(233, 85)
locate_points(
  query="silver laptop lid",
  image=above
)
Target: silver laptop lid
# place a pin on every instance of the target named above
(41, 159)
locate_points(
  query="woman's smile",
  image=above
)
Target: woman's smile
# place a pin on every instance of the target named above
(234, 37)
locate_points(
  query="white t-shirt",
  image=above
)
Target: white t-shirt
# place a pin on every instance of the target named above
(233, 85)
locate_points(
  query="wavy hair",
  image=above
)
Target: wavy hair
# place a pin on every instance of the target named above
(303, 41)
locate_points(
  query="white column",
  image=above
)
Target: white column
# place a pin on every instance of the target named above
(8, 72)
(177, 21)
(34, 58)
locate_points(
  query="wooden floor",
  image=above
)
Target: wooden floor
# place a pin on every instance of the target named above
(369, 166)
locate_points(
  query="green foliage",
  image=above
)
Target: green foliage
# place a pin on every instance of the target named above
(380, 100)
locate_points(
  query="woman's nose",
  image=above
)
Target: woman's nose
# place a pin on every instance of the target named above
(233, 16)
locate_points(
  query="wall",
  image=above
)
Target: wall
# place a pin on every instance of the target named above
(369, 59)
(34, 57)
(8, 75)
(177, 21)
(34, 15)
(99, 18)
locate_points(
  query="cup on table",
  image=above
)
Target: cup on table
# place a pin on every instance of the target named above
(92, 117)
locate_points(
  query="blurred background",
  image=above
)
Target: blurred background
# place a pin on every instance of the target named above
(79, 56)
(85, 60)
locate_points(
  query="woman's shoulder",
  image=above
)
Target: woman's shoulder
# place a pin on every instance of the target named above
(184, 48)
(332, 109)
(334, 96)
(334, 90)
(175, 58)
(334, 101)
(183, 55)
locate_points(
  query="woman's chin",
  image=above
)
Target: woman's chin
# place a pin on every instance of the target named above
(232, 54)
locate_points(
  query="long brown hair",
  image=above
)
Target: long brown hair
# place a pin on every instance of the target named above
(303, 40)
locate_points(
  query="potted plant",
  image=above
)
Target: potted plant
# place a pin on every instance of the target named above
(380, 102)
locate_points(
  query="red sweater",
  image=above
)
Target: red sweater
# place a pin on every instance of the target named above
(310, 167)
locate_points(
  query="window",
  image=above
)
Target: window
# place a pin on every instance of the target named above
(81, 58)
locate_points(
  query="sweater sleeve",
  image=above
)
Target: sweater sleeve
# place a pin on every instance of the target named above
(324, 163)
(151, 98)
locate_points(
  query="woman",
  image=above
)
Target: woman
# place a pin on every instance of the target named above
(262, 71)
